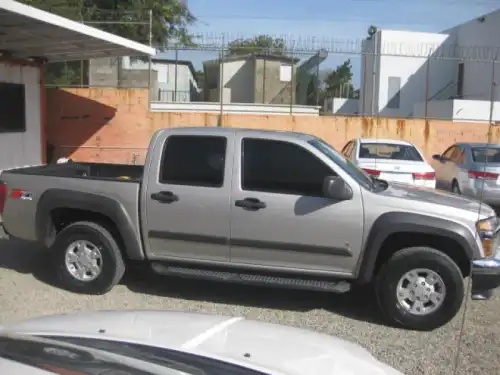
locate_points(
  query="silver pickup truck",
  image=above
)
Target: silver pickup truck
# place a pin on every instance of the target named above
(259, 207)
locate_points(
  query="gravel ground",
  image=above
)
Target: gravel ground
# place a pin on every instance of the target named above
(26, 291)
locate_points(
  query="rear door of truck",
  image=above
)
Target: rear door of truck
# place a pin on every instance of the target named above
(187, 195)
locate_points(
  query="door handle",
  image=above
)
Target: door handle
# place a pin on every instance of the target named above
(251, 204)
(165, 197)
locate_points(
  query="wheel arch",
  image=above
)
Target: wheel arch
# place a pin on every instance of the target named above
(396, 230)
(77, 206)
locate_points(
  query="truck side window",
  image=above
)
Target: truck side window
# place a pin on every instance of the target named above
(193, 160)
(281, 167)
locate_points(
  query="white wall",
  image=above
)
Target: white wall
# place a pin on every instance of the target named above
(237, 108)
(342, 106)
(459, 110)
(475, 41)
(19, 149)
(439, 110)
(405, 55)
(479, 41)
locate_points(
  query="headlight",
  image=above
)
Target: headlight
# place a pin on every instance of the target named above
(487, 229)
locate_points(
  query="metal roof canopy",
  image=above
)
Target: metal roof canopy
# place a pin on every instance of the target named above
(28, 32)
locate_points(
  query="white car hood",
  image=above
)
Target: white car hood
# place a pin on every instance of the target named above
(273, 348)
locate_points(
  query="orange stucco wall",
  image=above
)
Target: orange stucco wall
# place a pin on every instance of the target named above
(114, 125)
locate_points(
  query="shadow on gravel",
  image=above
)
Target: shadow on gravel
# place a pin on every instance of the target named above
(359, 305)
(25, 258)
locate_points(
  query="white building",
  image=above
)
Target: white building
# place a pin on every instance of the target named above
(176, 79)
(453, 70)
(31, 38)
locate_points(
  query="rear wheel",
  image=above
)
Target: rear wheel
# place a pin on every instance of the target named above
(420, 288)
(87, 258)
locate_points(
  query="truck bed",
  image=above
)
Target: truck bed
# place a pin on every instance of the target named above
(96, 171)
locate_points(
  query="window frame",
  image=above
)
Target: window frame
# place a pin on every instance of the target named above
(350, 145)
(445, 151)
(162, 161)
(242, 165)
(24, 128)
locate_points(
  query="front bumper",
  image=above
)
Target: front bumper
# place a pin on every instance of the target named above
(485, 275)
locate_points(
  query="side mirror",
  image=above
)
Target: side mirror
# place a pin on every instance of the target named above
(437, 157)
(335, 187)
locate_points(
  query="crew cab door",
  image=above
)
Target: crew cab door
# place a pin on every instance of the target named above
(187, 197)
(280, 218)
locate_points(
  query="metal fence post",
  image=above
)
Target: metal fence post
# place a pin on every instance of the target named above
(221, 84)
(374, 73)
(492, 97)
(292, 84)
(150, 37)
(427, 83)
(175, 73)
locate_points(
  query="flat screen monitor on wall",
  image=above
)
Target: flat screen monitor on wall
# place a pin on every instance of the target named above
(12, 107)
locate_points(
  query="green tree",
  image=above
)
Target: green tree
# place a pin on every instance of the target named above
(170, 18)
(338, 82)
(259, 44)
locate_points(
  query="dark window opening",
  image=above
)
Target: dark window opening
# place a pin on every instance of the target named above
(460, 81)
(12, 108)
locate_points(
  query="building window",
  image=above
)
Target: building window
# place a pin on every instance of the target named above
(460, 80)
(12, 108)
(394, 92)
(285, 73)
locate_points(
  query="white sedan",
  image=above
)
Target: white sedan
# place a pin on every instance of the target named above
(391, 160)
(175, 343)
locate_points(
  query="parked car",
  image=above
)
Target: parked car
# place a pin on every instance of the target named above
(164, 342)
(391, 160)
(259, 207)
(470, 169)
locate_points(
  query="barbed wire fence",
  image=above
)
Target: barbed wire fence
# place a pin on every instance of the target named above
(391, 79)
(294, 74)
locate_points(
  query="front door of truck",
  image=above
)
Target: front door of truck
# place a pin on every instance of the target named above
(187, 197)
(280, 218)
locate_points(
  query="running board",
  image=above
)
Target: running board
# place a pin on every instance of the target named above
(337, 286)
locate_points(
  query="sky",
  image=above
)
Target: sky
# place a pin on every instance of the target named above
(321, 20)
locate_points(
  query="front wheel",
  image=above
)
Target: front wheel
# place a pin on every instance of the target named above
(420, 288)
(87, 258)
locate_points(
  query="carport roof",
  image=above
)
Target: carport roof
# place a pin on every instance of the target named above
(27, 32)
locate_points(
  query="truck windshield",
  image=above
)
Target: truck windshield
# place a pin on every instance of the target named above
(351, 169)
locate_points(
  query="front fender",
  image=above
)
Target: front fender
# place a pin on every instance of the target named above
(402, 222)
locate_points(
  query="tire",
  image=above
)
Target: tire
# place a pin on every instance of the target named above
(455, 188)
(110, 262)
(419, 258)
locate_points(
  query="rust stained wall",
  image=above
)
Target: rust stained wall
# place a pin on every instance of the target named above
(112, 124)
